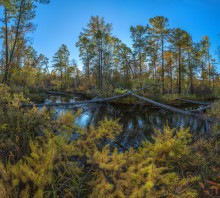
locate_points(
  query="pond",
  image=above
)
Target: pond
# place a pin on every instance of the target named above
(139, 121)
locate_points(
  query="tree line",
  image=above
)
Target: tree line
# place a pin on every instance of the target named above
(159, 54)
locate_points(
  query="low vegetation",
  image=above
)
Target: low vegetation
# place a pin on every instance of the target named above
(44, 156)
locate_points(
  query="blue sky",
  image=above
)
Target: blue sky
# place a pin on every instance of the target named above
(61, 21)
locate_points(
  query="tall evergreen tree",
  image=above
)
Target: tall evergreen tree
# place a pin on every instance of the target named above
(206, 59)
(138, 35)
(95, 45)
(17, 22)
(159, 30)
(61, 63)
(180, 39)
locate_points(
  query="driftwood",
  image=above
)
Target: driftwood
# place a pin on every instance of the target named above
(194, 102)
(96, 100)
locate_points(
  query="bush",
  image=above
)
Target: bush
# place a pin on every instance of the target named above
(203, 91)
(39, 158)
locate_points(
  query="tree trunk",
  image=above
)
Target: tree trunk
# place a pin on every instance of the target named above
(163, 88)
(171, 80)
(140, 64)
(180, 73)
(9, 62)
(87, 67)
(5, 79)
(190, 74)
(17, 31)
(209, 67)
(61, 74)
(101, 71)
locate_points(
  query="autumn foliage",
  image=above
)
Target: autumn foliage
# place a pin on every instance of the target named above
(44, 156)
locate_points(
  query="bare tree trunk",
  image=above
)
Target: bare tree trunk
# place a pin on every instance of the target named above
(180, 73)
(101, 71)
(209, 67)
(171, 80)
(87, 66)
(9, 62)
(61, 75)
(163, 88)
(140, 64)
(5, 79)
(17, 31)
(190, 76)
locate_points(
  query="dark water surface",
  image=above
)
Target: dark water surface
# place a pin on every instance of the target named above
(139, 121)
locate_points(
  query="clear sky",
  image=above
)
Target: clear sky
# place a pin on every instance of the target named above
(61, 21)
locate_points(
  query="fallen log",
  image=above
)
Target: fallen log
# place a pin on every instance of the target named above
(56, 93)
(64, 93)
(200, 110)
(194, 102)
(96, 100)
(172, 109)
(164, 106)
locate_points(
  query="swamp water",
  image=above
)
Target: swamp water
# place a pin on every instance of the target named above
(139, 121)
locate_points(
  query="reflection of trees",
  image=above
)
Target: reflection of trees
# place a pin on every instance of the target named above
(139, 121)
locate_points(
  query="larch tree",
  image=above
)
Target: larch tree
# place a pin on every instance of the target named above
(95, 45)
(86, 53)
(206, 59)
(168, 57)
(193, 53)
(17, 22)
(153, 56)
(61, 63)
(122, 61)
(138, 36)
(159, 29)
(180, 40)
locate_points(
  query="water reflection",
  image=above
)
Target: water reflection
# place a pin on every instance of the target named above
(139, 121)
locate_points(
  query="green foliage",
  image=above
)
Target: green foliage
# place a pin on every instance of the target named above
(214, 111)
(61, 64)
(203, 91)
(39, 158)
(150, 171)
(171, 98)
(36, 151)
(120, 91)
(17, 125)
